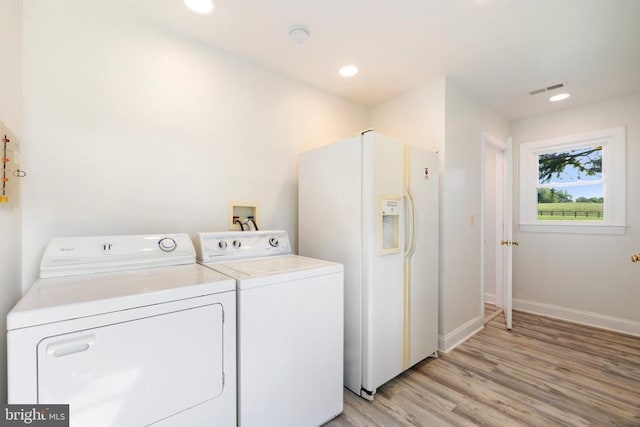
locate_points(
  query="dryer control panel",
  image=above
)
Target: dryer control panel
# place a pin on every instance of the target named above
(70, 256)
(211, 247)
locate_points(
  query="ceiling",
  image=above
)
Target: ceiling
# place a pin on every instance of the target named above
(496, 50)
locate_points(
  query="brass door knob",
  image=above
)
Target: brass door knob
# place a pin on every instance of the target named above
(635, 257)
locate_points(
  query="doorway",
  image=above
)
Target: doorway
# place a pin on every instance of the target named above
(495, 229)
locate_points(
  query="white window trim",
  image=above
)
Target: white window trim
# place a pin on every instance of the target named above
(613, 141)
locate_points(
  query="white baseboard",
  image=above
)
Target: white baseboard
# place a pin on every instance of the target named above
(448, 342)
(596, 320)
(490, 298)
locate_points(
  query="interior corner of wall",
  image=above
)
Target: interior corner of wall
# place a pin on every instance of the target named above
(449, 341)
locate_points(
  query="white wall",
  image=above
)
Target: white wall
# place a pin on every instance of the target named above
(460, 272)
(415, 117)
(131, 130)
(586, 278)
(441, 117)
(10, 99)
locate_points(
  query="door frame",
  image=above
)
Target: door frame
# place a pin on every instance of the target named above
(494, 143)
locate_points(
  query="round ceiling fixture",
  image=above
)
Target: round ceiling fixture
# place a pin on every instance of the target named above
(348, 71)
(200, 6)
(299, 33)
(559, 97)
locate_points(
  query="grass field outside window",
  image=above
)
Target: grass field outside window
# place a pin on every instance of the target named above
(570, 211)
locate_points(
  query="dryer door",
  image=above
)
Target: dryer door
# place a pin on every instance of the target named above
(136, 372)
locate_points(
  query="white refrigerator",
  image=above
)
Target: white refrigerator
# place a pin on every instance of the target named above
(371, 204)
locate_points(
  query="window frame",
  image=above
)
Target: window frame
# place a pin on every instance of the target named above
(613, 142)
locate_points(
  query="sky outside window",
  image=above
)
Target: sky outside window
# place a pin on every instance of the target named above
(579, 167)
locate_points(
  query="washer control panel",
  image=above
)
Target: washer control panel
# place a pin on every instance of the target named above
(211, 247)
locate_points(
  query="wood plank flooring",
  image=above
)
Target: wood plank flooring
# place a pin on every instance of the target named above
(491, 312)
(544, 372)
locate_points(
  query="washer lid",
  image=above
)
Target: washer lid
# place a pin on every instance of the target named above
(270, 270)
(64, 298)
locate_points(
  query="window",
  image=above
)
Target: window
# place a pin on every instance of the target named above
(574, 184)
(570, 185)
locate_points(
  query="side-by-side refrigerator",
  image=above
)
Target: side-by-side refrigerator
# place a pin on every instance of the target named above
(371, 204)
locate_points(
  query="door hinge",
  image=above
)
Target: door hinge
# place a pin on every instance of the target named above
(223, 379)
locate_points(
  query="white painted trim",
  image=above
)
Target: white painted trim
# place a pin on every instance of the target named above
(492, 140)
(490, 298)
(559, 227)
(459, 335)
(616, 324)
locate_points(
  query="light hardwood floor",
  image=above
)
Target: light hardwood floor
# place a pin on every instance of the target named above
(543, 372)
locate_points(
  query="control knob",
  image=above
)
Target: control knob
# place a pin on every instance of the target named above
(274, 242)
(237, 244)
(167, 244)
(222, 245)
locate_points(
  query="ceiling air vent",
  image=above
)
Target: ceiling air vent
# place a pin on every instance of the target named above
(547, 89)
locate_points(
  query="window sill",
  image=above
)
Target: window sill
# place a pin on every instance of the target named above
(582, 228)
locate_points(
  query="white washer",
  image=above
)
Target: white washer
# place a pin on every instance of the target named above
(129, 331)
(290, 328)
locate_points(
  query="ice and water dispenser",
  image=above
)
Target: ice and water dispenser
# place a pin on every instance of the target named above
(389, 224)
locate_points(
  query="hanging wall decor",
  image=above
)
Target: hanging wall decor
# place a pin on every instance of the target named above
(10, 172)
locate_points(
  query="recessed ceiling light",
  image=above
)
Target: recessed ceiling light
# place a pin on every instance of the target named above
(559, 97)
(348, 71)
(200, 6)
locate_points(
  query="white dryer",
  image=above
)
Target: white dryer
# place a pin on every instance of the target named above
(290, 328)
(127, 330)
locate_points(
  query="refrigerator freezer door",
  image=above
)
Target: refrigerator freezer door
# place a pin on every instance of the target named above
(382, 292)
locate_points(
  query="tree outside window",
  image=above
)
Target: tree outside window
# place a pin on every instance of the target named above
(570, 185)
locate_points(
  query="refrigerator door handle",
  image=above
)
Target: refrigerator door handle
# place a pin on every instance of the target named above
(410, 244)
